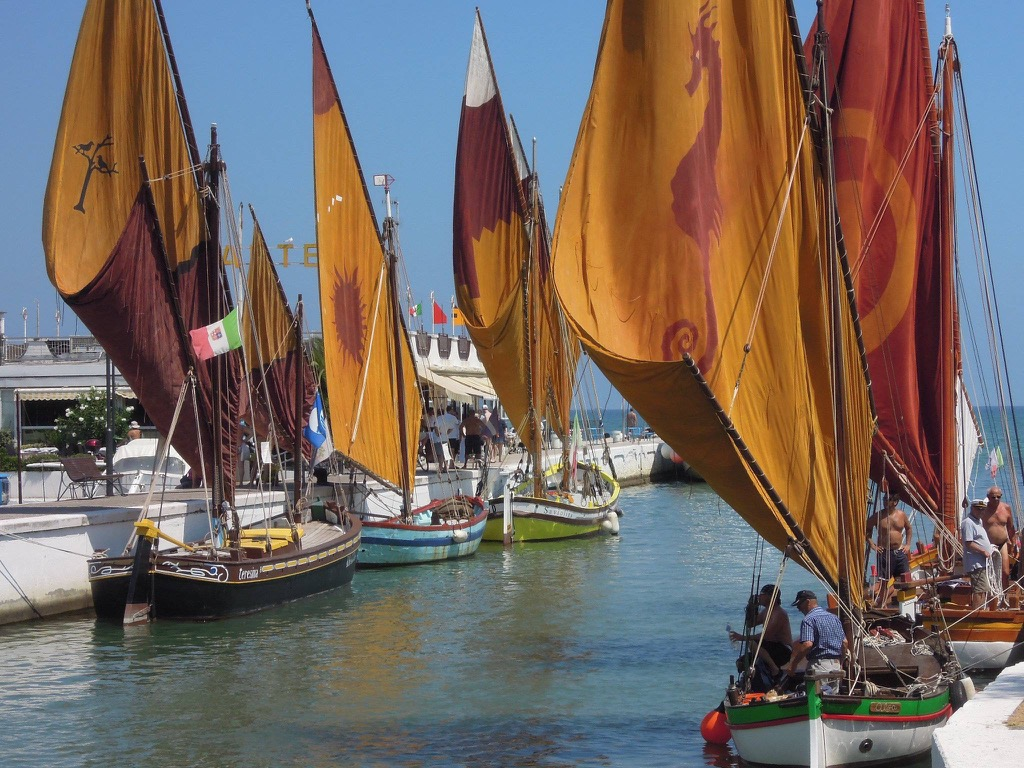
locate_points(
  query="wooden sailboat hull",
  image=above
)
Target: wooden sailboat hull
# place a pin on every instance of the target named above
(547, 520)
(393, 542)
(194, 587)
(988, 640)
(854, 730)
(557, 515)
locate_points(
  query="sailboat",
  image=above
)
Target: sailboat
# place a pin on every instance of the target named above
(895, 135)
(375, 406)
(503, 287)
(697, 257)
(132, 245)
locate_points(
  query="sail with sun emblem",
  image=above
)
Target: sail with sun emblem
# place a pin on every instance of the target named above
(374, 399)
(360, 349)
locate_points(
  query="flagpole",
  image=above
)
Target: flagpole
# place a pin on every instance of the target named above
(433, 326)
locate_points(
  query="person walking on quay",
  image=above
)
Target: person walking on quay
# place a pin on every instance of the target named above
(449, 422)
(498, 440)
(473, 427)
(822, 641)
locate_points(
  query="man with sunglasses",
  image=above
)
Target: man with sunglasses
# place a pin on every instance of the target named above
(998, 521)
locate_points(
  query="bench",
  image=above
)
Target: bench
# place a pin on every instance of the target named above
(83, 476)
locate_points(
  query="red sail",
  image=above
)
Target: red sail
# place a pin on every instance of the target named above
(884, 123)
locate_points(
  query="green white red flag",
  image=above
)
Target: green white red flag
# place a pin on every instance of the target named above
(217, 338)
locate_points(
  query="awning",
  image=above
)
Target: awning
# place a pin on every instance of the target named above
(66, 393)
(465, 385)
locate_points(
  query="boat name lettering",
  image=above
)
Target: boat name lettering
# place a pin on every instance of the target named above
(248, 573)
(884, 707)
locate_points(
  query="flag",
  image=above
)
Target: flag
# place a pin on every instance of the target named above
(439, 316)
(218, 338)
(995, 461)
(577, 438)
(457, 317)
(416, 310)
(316, 433)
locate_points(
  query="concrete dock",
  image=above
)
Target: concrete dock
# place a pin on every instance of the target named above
(988, 730)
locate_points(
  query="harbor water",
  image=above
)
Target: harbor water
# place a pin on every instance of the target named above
(597, 652)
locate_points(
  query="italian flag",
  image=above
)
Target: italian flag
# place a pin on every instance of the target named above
(218, 338)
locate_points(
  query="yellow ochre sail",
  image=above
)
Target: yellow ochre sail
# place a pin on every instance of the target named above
(692, 256)
(356, 302)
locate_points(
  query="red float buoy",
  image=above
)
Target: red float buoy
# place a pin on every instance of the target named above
(714, 728)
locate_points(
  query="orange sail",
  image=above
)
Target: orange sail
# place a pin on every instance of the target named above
(693, 258)
(502, 280)
(270, 338)
(367, 371)
(886, 128)
(111, 235)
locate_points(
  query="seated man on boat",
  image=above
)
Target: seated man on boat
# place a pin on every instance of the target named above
(774, 644)
(822, 641)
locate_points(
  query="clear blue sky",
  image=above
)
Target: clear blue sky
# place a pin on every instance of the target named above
(400, 69)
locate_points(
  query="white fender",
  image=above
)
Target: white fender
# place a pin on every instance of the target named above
(459, 535)
(611, 523)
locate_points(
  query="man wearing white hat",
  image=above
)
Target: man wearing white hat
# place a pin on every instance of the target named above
(134, 431)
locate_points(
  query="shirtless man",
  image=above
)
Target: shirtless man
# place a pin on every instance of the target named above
(998, 521)
(893, 543)
(778, 635)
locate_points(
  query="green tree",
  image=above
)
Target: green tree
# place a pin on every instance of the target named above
(87, 420)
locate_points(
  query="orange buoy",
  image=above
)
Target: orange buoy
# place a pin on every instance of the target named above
(714, 728)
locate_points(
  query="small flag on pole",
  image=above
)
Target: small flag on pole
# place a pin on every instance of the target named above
(416, 310)
(995, 461)
(218, 338)
(457, 317)
(316, 432)
(439, 316)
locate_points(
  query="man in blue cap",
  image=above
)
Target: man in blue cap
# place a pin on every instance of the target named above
(822, 641)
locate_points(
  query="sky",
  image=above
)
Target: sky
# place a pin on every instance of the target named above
(400, 70)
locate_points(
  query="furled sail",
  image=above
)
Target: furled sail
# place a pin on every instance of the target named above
(110, 238)
(499, 284)
(886, 127)
(693, 258)
(270, 339)
(360, 352)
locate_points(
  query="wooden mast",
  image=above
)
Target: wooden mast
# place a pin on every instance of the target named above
(949, 343)
(398, 341)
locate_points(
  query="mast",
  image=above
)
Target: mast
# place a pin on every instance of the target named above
(529, 341)
(949, 341)
(391, 255)
(298, 474)
(220, 367)
(835, 297)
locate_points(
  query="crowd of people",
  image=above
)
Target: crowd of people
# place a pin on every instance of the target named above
(475, 437)
(986, 530)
